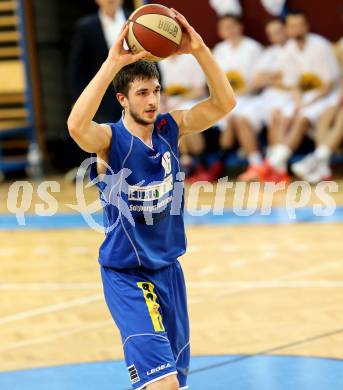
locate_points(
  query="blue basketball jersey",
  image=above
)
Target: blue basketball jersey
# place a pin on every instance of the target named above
(142, 198)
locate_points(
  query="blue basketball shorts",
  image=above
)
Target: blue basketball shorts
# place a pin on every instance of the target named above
(150, 309)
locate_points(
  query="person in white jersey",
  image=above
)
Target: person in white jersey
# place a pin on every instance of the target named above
(312, 77)
(184, 85)
(257, 111)
(237, 55)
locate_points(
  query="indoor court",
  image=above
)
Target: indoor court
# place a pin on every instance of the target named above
(263, 266)
(264, 301)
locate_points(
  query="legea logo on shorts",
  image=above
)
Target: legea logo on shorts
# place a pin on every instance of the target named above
(159, 368)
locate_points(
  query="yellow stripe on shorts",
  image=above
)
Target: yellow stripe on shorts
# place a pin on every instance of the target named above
(153, 307)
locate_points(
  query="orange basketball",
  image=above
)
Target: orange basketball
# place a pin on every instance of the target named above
(154, 28)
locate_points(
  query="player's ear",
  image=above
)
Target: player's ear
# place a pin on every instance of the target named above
(121, 99)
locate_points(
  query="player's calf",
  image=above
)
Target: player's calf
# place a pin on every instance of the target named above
(167, 383)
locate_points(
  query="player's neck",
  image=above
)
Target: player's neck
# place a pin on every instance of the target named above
(301, 42)
(144, 132)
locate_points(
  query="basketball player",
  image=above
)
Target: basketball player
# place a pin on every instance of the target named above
(143, 280)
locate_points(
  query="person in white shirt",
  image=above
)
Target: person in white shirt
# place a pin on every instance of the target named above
(257, 111)
(237, 55)
(315, 167)
(312, 78)
(184, 85)
(112, 19)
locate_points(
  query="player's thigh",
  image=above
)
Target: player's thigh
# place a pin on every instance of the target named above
(168, 383)
(134, 299)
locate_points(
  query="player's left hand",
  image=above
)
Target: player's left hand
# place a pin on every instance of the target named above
(191, 41)
(121, 57)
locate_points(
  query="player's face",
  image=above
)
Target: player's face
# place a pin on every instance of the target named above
(276, 33)
(297, 26)
(229, 28)
(143, 101)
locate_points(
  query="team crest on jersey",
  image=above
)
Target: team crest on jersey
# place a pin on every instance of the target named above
(161, 123)
(166, 163)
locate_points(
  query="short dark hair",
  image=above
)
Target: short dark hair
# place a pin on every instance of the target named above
(141, 70)
(235, 17)
(296, 12)
(279, 19)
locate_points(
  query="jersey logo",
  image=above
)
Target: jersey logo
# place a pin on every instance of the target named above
(159, 368)
(161, 123)
(166, 163)
(133, 374)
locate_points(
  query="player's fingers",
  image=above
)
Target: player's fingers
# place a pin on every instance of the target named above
(181, 18)
(121, 36)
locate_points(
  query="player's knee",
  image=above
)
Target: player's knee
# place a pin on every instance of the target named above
(168, 383)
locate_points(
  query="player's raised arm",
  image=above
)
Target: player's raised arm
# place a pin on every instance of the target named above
(221, 100)
(89, 135)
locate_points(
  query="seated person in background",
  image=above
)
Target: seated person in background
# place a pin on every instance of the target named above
(315, 167)
(257, 111)
(184, 85)
(312, 78)
(237, 56)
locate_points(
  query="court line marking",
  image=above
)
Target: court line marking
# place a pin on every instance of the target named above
(93, 298)
(54, 336)
(50, 308)
(269, 284)
(269, 350)
(305, 271)
(37, 286)
(249, 284)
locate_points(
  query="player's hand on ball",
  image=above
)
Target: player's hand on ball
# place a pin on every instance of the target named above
(122, 57)
(191, 41)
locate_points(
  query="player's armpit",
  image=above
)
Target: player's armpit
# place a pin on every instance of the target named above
(200, 117)
(93, 139)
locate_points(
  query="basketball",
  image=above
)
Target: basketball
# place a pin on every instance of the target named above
(154, 28)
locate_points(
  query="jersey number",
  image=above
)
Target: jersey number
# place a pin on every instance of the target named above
(153, 307)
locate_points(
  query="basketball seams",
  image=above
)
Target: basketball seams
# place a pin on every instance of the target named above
(155, 58)
(156, 9)
(154, 28)
(145, 18)
(150, 29)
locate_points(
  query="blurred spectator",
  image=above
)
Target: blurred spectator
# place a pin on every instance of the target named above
(94, 35)
(237, 56)
(183, 86)
(311, 76)
(274, 7)
(257, 111)
(315, 167)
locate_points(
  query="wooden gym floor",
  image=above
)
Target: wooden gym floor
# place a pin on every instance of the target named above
(251, 288)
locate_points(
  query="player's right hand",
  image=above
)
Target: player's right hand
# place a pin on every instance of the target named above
(121, 57)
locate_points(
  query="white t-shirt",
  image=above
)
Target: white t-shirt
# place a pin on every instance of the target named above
(270, 60)
(181, 72)
(111, 27)
(238, 62)
(313, 66)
